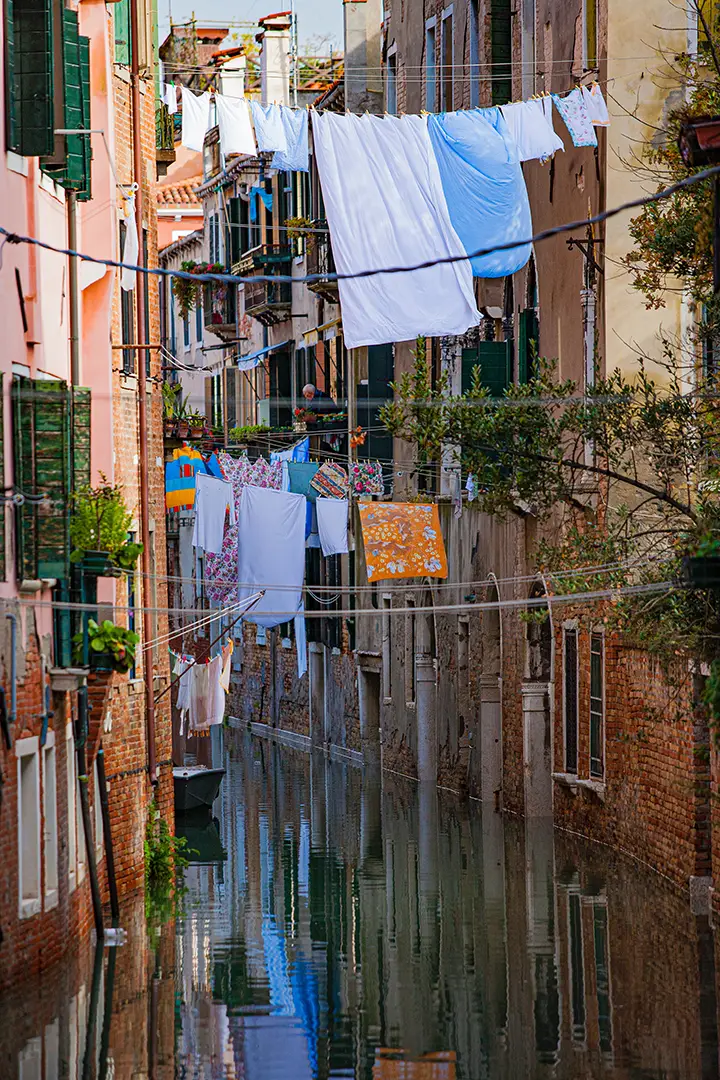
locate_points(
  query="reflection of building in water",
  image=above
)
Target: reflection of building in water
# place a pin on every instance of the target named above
(386, 931)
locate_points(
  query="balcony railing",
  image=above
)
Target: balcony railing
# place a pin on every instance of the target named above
(268, 301)
(321, 262)
(164, 138)
(262, 256)
(220, 308)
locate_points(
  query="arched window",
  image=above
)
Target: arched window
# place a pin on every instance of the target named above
(529, 328)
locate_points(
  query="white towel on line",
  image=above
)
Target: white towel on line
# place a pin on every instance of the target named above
(170, 98)
(236, 133)
(131, 247)
(332, 519)
(195, 118)
(269, 130)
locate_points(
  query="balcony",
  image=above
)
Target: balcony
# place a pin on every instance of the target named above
(220, 308)
(268, 301)
(164, 139)
(321, 262)
(262, 257)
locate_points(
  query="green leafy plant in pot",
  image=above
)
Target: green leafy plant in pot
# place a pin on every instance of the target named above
(111, 647)
(99, 527)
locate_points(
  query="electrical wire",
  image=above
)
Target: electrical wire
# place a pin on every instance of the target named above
(235, 279)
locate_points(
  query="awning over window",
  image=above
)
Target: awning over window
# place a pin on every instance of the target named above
(247, 363)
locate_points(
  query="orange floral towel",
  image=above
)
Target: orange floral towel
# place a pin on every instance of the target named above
(402, 540)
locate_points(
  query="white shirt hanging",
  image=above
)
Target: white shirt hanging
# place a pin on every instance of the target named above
(195, 118)
(212, 498)
(595, 104)
(236, 132)
(530, 124)
(170, 98)
(332, 520)
(269, 130)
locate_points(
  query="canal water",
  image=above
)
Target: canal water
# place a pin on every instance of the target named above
(336, 926)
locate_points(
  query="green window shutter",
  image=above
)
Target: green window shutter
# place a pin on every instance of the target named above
(85, 192)
(80, 436)
(501, 51)
(121, 21)
(494, 359)
(74, 171)
(29, 76)
(41, 444)
(528, 344)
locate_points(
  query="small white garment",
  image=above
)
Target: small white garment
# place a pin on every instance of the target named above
(212, 498)
(226, 654)
(183, 668)
(271, 552)
(595, 104)
(296, 158)
(216, 693)
(131, 247)
(269, 130)
(332, 519)
(386, 207)
(195, 118)
(170, 98)
(530, 124)
(236, 133)
(199, 697)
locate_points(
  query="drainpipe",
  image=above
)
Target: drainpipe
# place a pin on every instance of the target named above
(140, 293)
(73, 291)
(13, 668)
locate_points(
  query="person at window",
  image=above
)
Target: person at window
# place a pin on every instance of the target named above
(317, 401)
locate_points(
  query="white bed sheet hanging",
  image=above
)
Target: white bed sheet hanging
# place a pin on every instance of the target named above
(385, 207)
(271, 553)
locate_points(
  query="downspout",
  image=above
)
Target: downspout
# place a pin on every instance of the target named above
(81, 734)
(73, 291)
(140, 294)
(13, 668)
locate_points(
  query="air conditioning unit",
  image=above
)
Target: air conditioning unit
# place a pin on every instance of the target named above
(263, 412)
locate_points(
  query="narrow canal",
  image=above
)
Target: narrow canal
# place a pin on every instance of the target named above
(335, 927)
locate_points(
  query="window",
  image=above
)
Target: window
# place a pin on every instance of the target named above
(186, 332)
(50, 845)
(527, 40)
(71, 783)
(127, 317)
(494, 358)
(44, 446)
(597, 706)
(430, 65)
(29, 86)
(474, 53)
(28, 780)
(602, 975)
(410, 649)
(199, 322)
(386, 648)
(391, 88)
(571, 676)
(577, 972)
(711, 16)
(121, 23)
(447, 56)
(501, 51)
(590, 35)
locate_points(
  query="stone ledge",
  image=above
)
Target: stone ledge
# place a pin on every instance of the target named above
(67, 680)
(575, 784)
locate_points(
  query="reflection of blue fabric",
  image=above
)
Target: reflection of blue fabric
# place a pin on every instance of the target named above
(295, 158)
(484, 187)
(307, 1007)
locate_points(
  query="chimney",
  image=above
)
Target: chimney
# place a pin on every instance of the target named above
(232, 76)
(274, 39)
(363, 56)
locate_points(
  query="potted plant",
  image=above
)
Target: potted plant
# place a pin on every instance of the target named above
(110, 647)
(99, 526)
(701, 570)
(170, 397)
(196, 423)
(186, 291)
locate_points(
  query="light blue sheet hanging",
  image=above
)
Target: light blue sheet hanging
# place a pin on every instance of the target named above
(484, 187)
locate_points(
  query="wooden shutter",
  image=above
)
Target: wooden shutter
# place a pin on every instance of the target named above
(121, 22)
(494, 360)
(29, 76)
(84, 192)
(42, 462)
(73, 169)
(371, 397)
(81, 413)
(528, 344)
(501, 51)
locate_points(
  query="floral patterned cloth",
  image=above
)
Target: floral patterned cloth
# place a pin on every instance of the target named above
(402, 540)
(330, 480)
(221, 570)
(574, 112)
(366, 478)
